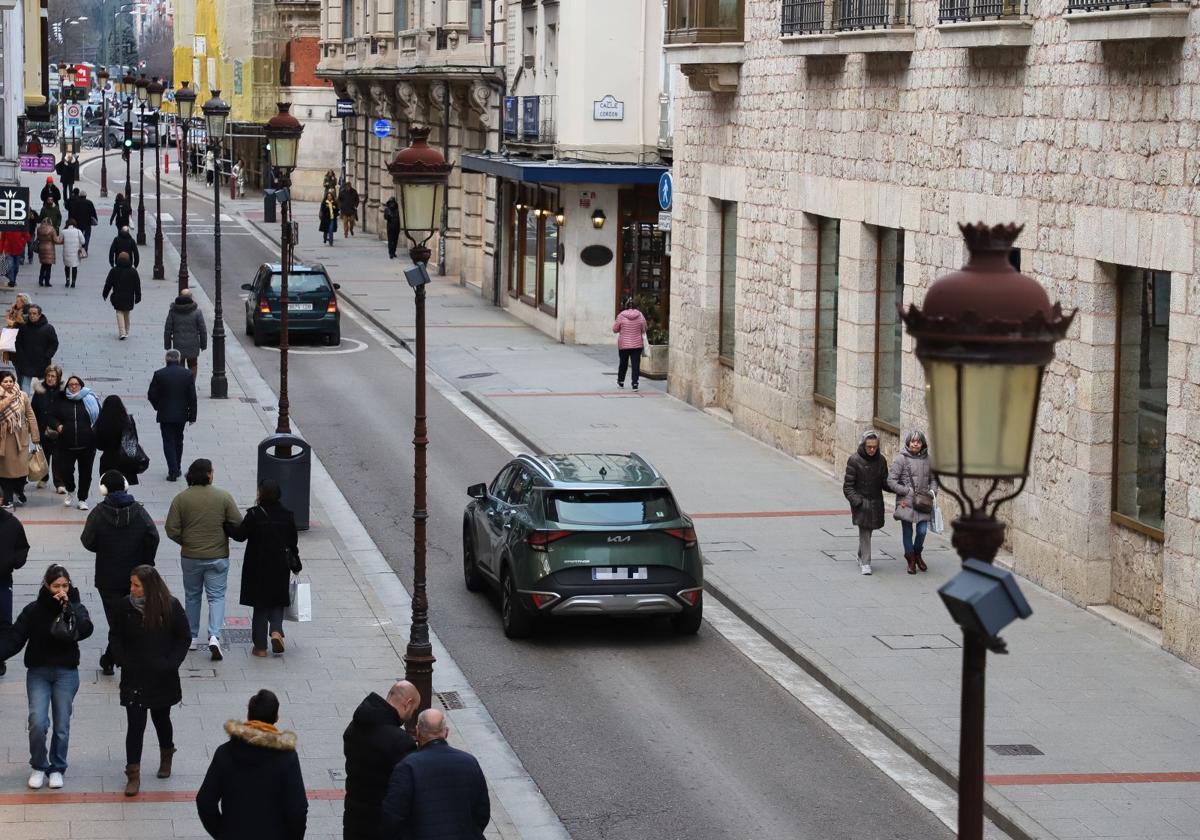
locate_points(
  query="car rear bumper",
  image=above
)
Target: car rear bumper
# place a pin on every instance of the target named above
(270, 326)
(618, 604)
(576, 594)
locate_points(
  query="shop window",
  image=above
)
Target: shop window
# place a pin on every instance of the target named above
(529, 33)
(1139, 463)
(548, 290)
(347, 19)
(475, 21)
(889, 330)
(401, 15)
(515, 236)
(528, 289)
(728, 312)
(825, 363)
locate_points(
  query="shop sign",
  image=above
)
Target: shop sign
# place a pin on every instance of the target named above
(664, 221)
(83, 76)
(608, 108)
(345, 107)
(200, 45)
(585, 200)
(14, 202)
(37, 163)
(382, 128)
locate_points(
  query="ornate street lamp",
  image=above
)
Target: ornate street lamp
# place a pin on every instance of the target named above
(984, 336)
(283, 133)
(216, 112)
(154, 95)
(420, 174)
(128, 86)
(185, 103)
(102, 75)
(142, 84)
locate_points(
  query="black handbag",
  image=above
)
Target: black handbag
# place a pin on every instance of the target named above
(63, 628)
(922, 502)
(132, 454)
(290, 556)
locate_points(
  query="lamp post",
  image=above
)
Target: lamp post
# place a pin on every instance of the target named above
(984, 337)
(420, 174)
(283, 133)
(103, 77)
(216, 112)
(142, 84)
(154, 93)
(185, 102)
(62, 118)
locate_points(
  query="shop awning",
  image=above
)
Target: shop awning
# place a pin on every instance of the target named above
(563, 171)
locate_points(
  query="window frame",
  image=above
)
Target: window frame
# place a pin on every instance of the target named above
(400, 22)
(879, 422)
(348, 11)
(818, 397)
(722, 357)
(531, 291)
(472, 36)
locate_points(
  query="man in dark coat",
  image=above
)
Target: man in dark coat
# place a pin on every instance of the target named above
(14, 551)
(391, 217)
(37, 342)
(348, 206)
(125, 286)
(185, 331)
(84, 212)
(866, 476)
(374, 743)
(436, 792)
(254, 788)
(122, 536)
(124, 242)
(173, 395)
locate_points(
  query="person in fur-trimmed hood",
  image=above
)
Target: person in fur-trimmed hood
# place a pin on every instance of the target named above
(254, 787)
(911, 479)
(866, 478)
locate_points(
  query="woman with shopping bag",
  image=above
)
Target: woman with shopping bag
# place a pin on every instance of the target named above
(272, 556)
(18, 436)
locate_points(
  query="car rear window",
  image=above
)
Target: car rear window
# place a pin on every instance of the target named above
(300, 283)
(610, 507)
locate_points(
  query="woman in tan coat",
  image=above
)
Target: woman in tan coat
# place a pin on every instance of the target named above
(47, 238)
(18, 428)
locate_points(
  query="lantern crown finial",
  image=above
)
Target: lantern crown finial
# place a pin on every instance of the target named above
(982, 237)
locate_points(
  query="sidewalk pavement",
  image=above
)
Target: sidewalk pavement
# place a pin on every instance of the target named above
(1093, 731)
(353, 646)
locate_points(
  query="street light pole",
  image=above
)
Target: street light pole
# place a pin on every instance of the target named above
(154, 92)
(128, 83)
(103, 77)
(142, 84)
(216, 112)
(185, 101)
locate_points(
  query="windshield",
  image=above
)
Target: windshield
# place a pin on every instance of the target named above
(611, 507)
(300, 283)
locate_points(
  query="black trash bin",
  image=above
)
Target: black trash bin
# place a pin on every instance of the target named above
(268, 206)
(293, 473)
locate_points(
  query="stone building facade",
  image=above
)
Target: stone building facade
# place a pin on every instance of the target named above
(824, 153)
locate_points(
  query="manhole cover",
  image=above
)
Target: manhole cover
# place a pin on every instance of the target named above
(604, 425)
(450, 700)
(918, 641)
(714, 547)
(478, 375)
(1015, 749)
(104, 379)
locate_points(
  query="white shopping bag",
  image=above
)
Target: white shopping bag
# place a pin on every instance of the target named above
(300, 595)
(938, 525)
(8, 339)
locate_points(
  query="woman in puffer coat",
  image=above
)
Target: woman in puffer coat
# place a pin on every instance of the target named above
(866, 477)
(47, 238)
(47, 391)
(73, 245)
(911, 479)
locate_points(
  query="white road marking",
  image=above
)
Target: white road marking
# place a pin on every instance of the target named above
(358, 347)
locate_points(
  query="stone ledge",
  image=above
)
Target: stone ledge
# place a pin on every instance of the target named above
(982, 34)
(713, 68)
(900, 40)
(818, 43)
(1128, 24)
(1133, 626)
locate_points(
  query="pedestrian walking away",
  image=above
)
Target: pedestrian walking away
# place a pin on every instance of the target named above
(172, 394)
(76, 413)
(184, 330)
(197, 520)
(272, 556)
(68, 172)
(437, 791)
(866, 478)
(911, 479)
(51, 213)
(84, 212)
(74, 251)
(123, 537)
(18, 434)
(117, 441)
(630, 327)
(32, 220)
(50, 630)
(50, 191)
(14, 551)
(69, 201)
(124, 242)
(391, 216)
(348, 206)
(12, 245)
(124, 284)
(47, 238)
(120, 212)
(374, 743)
(148, 641)
(37, 344)
(46, 393)
(254, 787)
(327, 217)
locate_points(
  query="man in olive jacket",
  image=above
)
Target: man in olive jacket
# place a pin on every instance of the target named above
(866, 476)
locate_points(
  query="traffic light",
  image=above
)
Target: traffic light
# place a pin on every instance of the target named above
(128, 133)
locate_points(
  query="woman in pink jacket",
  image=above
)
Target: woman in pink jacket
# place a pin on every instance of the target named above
(630, 327)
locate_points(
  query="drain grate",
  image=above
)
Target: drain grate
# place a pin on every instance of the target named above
(197, 673)
(251, 400)
(478, 375)
(1015, 749)
(918, 641)
(450, 700)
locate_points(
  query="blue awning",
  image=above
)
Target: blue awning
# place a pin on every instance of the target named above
(563, 172)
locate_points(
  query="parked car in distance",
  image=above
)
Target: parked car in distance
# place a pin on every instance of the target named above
(582, 534)
(312, 304)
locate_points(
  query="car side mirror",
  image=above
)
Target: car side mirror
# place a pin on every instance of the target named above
(337, 285)
(247, 287)
(477, 491)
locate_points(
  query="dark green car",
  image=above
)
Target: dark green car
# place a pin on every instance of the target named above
(563, 535)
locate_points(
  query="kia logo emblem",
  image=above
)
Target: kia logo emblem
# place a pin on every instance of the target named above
(623, 539)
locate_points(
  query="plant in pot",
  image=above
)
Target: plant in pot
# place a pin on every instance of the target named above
(656, 356)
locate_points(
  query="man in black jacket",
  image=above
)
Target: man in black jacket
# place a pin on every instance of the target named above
(124, 241)
(173, 395)
(437, 791)
(84, 212)
(123, 537)
(14, 550)
(37, 342)
(374, 743)
(254, 787)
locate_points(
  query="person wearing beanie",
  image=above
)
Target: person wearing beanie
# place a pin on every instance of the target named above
(51, 190)
(122, 535)
(184, 330)
(124, 242)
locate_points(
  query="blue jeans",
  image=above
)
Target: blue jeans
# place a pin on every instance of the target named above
(50, 688)
(906, 534)
(26, 384)
(209, 577)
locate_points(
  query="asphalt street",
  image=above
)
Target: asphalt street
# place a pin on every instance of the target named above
(630, 731)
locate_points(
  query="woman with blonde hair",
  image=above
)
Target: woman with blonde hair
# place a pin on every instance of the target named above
(18, 431)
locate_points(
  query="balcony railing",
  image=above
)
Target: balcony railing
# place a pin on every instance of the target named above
(1105, 6)
(704, 21)
(529, 119)
(803, 17)
(953, 11)
(806, 17)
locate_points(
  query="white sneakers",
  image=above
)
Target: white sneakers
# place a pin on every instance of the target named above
(195, 645)
(66, 499)
(865, 568)
(36, 779)
(83, 505)
(56, 781)
(214, 647)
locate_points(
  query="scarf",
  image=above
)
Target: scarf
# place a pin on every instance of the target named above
(261, 727)
(139, 603)
(12, 412)
(90, 403)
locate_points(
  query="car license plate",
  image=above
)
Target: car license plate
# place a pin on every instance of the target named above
(620, 573)
(299, 307)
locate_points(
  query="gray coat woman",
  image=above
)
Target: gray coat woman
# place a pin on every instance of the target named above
(184, 330)
(911, 479)
(866, 478)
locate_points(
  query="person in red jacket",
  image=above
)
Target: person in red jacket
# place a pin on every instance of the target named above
(12, 246)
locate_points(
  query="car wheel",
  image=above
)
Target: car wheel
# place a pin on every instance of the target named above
(249, 327)
(333, 339)
(518, 624)
(258, 337)
(471, 576)
(688, 623)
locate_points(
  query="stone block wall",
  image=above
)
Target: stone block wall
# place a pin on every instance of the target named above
(1087, 144)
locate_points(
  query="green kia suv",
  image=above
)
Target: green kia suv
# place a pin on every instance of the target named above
(564, 535)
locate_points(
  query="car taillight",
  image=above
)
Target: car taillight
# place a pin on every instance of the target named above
(332, 307)
(691, 597)
(686, 535)
(542, 599)
(263, 306)
(538, 540)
